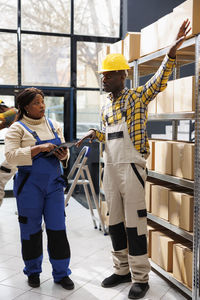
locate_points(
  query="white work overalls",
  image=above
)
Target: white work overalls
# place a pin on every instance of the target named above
(123, 183)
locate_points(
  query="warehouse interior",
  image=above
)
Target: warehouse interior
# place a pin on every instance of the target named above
(58, 46)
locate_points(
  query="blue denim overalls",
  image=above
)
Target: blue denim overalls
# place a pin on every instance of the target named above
(39, 192)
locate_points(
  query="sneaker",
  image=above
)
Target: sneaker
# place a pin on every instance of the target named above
(66, 283)
(34, 280)
(115, 279)
(138, 290)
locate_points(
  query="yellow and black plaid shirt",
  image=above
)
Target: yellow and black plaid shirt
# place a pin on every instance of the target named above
(136, 113)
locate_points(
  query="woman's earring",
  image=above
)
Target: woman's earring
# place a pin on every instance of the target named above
(27, 112)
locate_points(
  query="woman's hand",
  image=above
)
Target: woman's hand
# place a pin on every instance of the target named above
(61, 153)
(47, 147)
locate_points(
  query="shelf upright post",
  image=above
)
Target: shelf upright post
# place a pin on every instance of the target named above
(135, 74)
(176, 75)
(196, 242)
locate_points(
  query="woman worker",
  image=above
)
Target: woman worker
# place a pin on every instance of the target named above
(38, 187)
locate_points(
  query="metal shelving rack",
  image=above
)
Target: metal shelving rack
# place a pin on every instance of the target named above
(188, 53)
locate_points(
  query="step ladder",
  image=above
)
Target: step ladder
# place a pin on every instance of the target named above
(83, 177)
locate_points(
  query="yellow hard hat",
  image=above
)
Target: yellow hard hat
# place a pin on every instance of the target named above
(114, 62)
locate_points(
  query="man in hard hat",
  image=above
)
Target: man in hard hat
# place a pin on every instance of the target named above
(7, 117)
(124, 119)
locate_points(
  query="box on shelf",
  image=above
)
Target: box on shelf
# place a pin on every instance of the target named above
(102, 54)
(150, 229)
(132, 46)
(117, 47)
(183, 160)
(165, 99)
(160, 201)
(163, 157)
(182, 264)
(165, 37)
(181, 210)
(162, 250)
(187, 10)
(184, 94)
(151, 158)
(148, 194)
(149, 41)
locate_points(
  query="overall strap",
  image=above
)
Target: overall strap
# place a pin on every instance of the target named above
(52, 128)
(34, 134)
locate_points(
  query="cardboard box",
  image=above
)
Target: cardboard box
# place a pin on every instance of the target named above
(184, 94)
(151, 158)
(160, 201)
(163, 157)
(183, 160)
(165, 99)
(165, 37)
(148, 194)
(182, 264)
(149, 41)
(181, 210)
(162, 250)
(152, 106)
(132, 46)
(117, 47)
(150, 229)
(187, 10)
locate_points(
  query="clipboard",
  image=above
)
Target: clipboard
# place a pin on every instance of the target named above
(63, 145)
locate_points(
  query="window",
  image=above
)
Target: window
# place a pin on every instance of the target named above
(87, 64)
(45, 60)
(97, 17)
(8, 58)
(88, 111)
(8, 14)
(54, 109)
(46, 15)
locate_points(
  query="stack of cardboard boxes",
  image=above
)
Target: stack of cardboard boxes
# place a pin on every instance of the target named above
(172, 158)
(171, 253)
(162, 33)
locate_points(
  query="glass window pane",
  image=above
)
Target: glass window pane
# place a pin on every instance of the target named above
(45, 60)
(46, 15)
(88, 111)
(8, 14)
(97, 17)
(8, 58)
(54, 108)
(87, 64)
(9, 101)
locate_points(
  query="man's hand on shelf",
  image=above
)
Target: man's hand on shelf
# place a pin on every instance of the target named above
(181, 36)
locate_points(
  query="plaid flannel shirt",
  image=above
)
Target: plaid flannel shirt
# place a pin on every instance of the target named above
(136, 113)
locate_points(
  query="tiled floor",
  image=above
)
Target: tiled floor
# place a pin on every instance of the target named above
(90, 264)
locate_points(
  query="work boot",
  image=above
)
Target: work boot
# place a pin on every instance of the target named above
(34, 280)
(138, 290)
(115, 279)
(66, 283)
